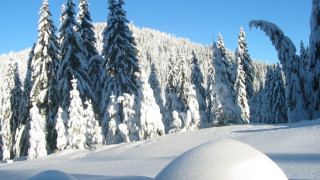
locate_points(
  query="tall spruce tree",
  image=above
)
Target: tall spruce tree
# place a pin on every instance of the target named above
(197, 81)
(278, 97)
(73, 58)
(157, 91)
(21, 138)
(246, 62)
(10, 111)
(86, 31)
(221, 95)
(240, 89)
(44, 66)
(314, 50)
(172, 88)
(27, 86)
(120, 62)
(119, 53)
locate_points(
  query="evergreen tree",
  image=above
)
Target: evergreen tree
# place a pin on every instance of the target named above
(10, 111)
(76, 122)
(264, 110)
(61, 129)
(192, 119)
(86, 31)
(150, 116)
(119, 54)
(110, 128)
(221, 92)
(157, 91)
(27, 86)
(93, 130)
(73, 58)
(172, 87)
(304, 57)
(240, 90)
(45, 65)
(272, 99)
(246, 62)
(278, 97)
(210, 94)
(121, 68)
(37, 139)
(197, 81)
(183, 88)
(314, 50)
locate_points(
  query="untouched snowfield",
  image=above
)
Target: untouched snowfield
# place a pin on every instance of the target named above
(295, 148)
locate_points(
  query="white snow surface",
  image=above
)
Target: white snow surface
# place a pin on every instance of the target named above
(294, 147)
(223, 160)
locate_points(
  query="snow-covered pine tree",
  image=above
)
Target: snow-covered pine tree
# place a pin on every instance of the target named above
(93, 130)
(221, 92)
(44, 66)
(27, 85)
(73, 58)
(228, 63)
(86, 31)
(37, 138)
(240, 87)
(10, 111)
(61, 129)
(183, 88)
(272, 98)
(210, 94)
(120, 63)
(157, 91)
(176, 125)
(278, 97)
(197, 81)
(110, 128)
(244, 78)
(21, 138)
(295, 97)
(119, 53)
(314, 51)
(304, 57)
(150, 115)
(242, 52)
(193, 119)
(77, 121)
(264, 109)
(173, 81)
(304, 70)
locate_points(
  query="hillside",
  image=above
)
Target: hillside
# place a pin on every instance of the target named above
(294, 147)
(155, 47)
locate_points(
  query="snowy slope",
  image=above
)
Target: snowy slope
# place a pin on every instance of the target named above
(295, 148)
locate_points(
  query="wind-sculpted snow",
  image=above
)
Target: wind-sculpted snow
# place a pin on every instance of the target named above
(224, 160)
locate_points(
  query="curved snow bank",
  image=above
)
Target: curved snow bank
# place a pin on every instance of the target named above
(224, 160)
(52, 175)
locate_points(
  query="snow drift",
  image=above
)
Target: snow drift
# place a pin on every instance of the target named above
(224, 160)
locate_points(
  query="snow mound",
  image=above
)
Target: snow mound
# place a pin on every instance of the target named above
(224, 160)
(52, 175)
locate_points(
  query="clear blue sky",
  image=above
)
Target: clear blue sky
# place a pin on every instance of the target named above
(198, 20)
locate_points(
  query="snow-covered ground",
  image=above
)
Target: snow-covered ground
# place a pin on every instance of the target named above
(295, 148)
